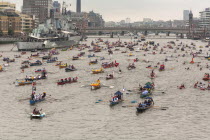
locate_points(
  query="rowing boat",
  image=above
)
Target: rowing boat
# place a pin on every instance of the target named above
(38, 116)
(32, 102)
(144, 107)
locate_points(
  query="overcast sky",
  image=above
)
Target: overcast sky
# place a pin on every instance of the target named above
(116, 10)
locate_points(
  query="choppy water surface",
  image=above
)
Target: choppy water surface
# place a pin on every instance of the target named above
(73, 114)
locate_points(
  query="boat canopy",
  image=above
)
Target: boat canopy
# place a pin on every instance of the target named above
(118, 93)
(148, 98)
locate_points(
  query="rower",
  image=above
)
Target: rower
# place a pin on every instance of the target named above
(43, 95)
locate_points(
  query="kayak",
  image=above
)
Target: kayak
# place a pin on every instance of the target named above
(38, 116)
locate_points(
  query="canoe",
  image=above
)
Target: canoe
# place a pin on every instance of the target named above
(38, 116)
(32, 102)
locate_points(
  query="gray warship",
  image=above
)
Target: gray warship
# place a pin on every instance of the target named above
(51, 34)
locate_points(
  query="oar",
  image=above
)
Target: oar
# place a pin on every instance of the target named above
(129, 106)
(162, 108)
(100, 101)
(84, 86)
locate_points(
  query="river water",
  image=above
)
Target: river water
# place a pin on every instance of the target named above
(73, 114)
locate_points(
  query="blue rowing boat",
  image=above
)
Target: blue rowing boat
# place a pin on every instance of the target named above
(32, 102)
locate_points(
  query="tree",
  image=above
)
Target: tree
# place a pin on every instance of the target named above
(10, 32)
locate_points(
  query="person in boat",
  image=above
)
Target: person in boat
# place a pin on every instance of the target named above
(62, 80)
(35, 111)
(43, 95)
(32, 96)
(208, 87)
(196, 85)
(119, 97)
(140, 88)
(26, 79)
(115, 98)
(152, 74)
(72, 67)
(69, 79)
(140, 105)
(182, 86)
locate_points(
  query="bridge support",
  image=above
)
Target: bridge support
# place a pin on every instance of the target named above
(100, 33)
(168, 33)
(145, 33)
(182, 36)
(122, 33)
(156, 33)
(111, 35)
